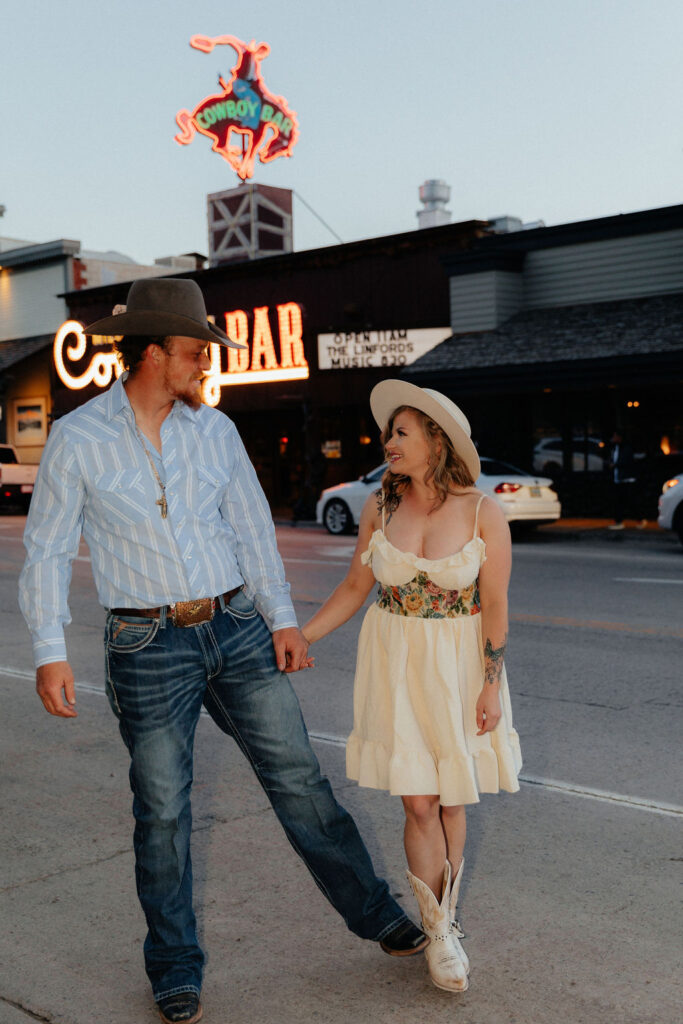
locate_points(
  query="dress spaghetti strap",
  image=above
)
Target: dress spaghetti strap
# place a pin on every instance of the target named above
(383, 523)
(476, 518)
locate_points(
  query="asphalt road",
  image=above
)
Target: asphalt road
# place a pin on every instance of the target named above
(569, 894)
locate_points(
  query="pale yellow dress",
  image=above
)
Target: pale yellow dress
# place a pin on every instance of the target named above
(419, 673)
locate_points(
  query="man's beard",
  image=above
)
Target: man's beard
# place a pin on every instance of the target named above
(189, 398)
(192, 399)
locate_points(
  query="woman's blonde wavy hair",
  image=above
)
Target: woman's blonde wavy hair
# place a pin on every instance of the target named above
(446, 469)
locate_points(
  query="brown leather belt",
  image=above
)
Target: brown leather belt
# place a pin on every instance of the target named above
(182, 613)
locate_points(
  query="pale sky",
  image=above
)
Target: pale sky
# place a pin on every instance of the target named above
(558, 110)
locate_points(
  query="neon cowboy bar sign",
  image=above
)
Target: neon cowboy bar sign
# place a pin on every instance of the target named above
(256, 364)
(244, 120)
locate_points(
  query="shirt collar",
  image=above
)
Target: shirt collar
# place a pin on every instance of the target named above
(116, 401)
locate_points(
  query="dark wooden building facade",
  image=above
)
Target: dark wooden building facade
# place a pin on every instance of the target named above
(550, 339)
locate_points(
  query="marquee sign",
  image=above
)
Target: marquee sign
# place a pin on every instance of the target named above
(256, 364)
(245, 119)
(356, 349)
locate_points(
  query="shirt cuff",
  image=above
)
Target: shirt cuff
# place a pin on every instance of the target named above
(48, 645)
(286, 624)
(280, 616)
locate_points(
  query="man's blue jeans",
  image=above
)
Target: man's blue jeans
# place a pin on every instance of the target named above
(158, 677)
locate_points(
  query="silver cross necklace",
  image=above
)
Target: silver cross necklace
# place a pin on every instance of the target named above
(161, 502)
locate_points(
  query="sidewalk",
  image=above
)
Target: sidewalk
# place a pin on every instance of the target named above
(577, 528)
(581, 527)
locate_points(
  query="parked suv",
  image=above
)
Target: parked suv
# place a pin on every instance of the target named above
(671, 506)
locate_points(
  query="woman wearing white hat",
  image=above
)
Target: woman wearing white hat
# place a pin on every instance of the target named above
(432, 717)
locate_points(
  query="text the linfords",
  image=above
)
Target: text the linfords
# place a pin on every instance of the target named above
(357, 349)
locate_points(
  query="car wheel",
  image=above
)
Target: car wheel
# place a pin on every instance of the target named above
(552, 469)
(337, 517)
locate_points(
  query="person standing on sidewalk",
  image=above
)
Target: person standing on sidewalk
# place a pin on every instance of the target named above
(185, 561)
(623, 479)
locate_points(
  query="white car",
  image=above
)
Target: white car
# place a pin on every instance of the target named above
(588, 453)
(523, 498)
(671, 506)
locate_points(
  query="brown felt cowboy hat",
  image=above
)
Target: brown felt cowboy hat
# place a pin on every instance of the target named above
(163, 306)
(388, 395)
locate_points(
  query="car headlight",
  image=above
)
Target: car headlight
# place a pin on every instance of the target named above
(670, 483)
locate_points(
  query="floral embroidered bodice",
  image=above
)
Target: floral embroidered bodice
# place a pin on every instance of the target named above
(432, 588)
(423, 598)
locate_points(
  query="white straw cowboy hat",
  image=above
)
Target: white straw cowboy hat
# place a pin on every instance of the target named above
(388, 395)
(163, 306)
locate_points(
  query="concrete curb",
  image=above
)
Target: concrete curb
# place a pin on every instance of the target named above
(599, 529)
(566, 529)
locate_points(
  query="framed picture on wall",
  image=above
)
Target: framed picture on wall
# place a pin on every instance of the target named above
(29, 421)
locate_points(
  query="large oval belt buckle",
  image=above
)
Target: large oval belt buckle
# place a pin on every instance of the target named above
(191, 613)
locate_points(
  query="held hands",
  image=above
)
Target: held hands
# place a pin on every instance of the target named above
(54, 683)
(488, 709)
(291, 650)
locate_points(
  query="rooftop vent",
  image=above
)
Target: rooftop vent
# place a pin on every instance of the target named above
(435, 193)
(180, 263)
(505, 225)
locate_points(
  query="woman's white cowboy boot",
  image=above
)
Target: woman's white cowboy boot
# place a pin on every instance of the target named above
(456, 930)
(444, 954)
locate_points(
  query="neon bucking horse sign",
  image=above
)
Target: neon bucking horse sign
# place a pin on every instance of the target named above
(262, 123)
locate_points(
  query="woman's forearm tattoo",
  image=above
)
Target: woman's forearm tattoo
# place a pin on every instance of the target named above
(493, 658)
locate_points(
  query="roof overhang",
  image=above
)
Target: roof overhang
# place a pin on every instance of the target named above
(45, 252)
(14, 351)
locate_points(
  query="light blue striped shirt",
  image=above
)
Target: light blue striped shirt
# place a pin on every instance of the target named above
(95, 480)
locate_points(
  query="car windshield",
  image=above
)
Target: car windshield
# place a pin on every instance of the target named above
(491, 467)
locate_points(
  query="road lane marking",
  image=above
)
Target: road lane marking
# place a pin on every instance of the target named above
(644, 579)
(18, 673)
(579, 552)
(310, 561)
(338, 551)
(329, 738)
(588, 793)
(553, 785)
(599, 624)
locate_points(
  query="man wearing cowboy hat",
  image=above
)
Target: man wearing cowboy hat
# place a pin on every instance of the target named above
(199, 613)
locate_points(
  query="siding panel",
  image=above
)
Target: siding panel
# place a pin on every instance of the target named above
(29, 301)
(509, 293)
(473, 304)
(480, 302)
(603, 271)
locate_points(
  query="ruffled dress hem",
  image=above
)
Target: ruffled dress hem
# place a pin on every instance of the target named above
(456, 780)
